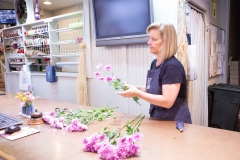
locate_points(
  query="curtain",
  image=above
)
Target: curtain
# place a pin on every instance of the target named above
(197, 89)
(181, 35)
(81, 79)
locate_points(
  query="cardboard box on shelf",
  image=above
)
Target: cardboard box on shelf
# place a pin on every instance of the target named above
(236, 68)
(234, 76)
(234, 63)
(234, 72)
(234, 81)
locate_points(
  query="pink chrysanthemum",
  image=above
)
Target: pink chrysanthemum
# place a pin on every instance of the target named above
(57, 123)
(107, 68)
(90, 143)
(93, 143)
(137, 136)
(48, 119)
(108, 79)
(101, 78)
(126, 146)
(107, 151)
(75, 126)
(52, 113)
(97, 74)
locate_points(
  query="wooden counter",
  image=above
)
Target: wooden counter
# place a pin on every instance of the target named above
(161, 139)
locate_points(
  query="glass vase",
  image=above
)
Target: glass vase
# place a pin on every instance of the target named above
(28, 110)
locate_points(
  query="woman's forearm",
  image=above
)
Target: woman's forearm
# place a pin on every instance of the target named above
(142, 88)
(166, 100)
(158, 100)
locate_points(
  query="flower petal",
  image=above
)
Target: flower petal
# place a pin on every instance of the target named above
(99, 66)
(107, 68)
(108, 79)
(97, 74)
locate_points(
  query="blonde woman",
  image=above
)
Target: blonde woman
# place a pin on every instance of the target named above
(165, 88)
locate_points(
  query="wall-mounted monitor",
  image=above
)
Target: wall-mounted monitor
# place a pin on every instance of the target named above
(7, 16)
(121, 22)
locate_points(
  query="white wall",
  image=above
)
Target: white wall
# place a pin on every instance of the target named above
(165, 11)
(74, 8)
(46, 14)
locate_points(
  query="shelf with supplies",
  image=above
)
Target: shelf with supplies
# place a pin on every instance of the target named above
(65, 42)
(67, 64)
(12, 37)
(52, 41)
(66, 34)
(67, 29)
(66, 55)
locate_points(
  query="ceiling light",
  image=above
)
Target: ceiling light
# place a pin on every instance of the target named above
(47, 2)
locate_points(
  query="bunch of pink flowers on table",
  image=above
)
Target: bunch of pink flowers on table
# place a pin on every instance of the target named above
(78, 120)
(112, 145)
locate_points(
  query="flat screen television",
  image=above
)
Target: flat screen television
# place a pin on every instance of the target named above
(7, 16)
(121, 22)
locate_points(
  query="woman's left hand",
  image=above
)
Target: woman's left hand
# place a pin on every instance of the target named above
(131, 91)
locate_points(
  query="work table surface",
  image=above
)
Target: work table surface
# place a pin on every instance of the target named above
(161, 141)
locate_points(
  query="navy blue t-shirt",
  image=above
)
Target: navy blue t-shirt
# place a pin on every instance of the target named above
(172, 72)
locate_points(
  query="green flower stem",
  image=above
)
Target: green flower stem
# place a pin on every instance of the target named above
(112, 136)
(87, 116)
(129, 122)
(135, 127)
(100, 111)
(136, 100)
(116, 132)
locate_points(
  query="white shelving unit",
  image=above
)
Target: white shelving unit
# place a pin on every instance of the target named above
(65, 41)
(55, 40)
(12, 40)
(65, 56)
(36, 45)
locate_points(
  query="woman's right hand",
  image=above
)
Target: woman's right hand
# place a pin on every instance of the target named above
(129, 91)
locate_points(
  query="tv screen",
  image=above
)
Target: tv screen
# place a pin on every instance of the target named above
(121, 19)
(8, 16)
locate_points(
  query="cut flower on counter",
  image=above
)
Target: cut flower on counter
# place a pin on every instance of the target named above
(114, 145)
(78, 120)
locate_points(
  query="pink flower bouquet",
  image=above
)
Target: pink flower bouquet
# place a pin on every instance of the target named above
(111, 145)
(111, 79)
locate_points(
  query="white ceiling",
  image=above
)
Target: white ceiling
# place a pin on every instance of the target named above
(56, 4)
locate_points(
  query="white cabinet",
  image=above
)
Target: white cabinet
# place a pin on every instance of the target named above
(54, 41)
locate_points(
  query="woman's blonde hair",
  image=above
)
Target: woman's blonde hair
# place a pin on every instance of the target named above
(169, 38)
